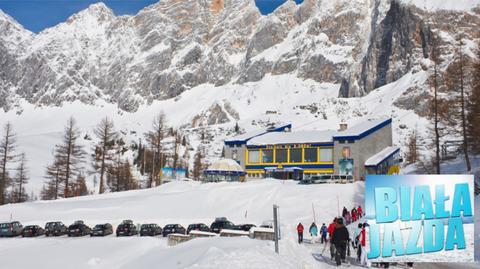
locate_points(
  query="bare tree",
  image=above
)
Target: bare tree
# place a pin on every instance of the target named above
(473, 108)
(20, 180)
(106, 134)
(154, 138)
(7, 155)
(412, 148)
(435, 103)
(70, 154)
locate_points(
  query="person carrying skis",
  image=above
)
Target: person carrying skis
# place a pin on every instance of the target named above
(323, 233)
(340, 240)
(300, 232)
(330, 229)
(313, 231)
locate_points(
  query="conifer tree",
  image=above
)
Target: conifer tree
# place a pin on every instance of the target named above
(106, 135)
(20, 180)
(7, 156)
(473, 109)
(154, 138)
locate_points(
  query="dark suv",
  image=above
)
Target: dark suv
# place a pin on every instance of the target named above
(198, 227)
(102, 230)
(150, 229)
(55, 228)
(222, 223)
(245, 227)
(10, 229)
(78, 228)
(126, 228)
(173, 229)
(32, 231)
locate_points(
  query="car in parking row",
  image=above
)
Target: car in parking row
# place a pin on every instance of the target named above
(10, 229)
(102, 230)
(55, 228)
(151, 229)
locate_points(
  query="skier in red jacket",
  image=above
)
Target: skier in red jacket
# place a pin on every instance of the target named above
(300, 232)
(330, 229)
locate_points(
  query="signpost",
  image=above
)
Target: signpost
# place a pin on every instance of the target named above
(275, 226)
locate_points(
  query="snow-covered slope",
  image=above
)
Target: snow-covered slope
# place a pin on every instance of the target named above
(209, 109)
(184, 203)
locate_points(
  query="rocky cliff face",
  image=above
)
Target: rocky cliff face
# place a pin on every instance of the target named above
(174, 45)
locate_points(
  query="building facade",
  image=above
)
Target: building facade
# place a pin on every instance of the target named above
(282, 153)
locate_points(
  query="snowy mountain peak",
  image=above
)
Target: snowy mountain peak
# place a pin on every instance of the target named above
(98, 11)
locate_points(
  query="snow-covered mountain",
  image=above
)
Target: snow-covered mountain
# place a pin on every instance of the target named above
(210, 64)
(174, 45)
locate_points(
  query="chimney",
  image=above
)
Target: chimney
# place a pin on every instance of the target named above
(343, 126)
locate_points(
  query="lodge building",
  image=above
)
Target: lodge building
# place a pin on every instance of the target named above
(279, 152)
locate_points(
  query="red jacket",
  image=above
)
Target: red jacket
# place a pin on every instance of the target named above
(300, 228)
(330, 229)
(362, 237)
(359, 210)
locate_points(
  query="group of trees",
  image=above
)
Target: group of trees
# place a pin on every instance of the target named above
(163, 149)
(13, 169)
(454, 109)
(67, 172)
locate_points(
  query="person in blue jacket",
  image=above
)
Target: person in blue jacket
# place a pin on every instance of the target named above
(323, 233)
(313, 231)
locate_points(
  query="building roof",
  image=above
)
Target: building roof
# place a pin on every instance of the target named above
(362, 129)
(225, 165)
(381, 156)
(298, 137)
(243, 138)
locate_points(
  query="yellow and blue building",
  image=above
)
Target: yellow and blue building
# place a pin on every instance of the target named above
(282, 153)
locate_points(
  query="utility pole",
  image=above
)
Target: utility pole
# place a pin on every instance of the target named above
(275, 226)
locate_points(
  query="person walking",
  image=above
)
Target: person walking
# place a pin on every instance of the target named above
(313, 231)
(355, 241)
(300, 232)
(363, 251)
(354, 214)
(330, 229)
(323, 233)
(348, 218)
(359, 211)
(340, 240)
(344, 212)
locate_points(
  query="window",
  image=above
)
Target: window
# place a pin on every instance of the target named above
(310, 155)
(326, 155)
(253, 156)
(295, 155)
(267, 156)
(281, 156)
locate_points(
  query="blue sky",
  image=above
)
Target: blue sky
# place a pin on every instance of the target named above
(36, 15)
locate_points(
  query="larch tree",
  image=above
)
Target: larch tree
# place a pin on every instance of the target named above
(473, 108)
(70, 155)
(106, 134)
(436, 118)
(154, 138)
(455, 81)
(411, 155)
(20, 180)
(7, 156)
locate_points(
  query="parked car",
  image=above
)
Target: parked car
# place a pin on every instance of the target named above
(102, 230)
(55, 228)
(267, 224)
(222, 223)
(151, 229)
(198, 227)
(78, 228)
(126, 228)
(173, 229)
(245, 227)
(32, 231)
(10, 229)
